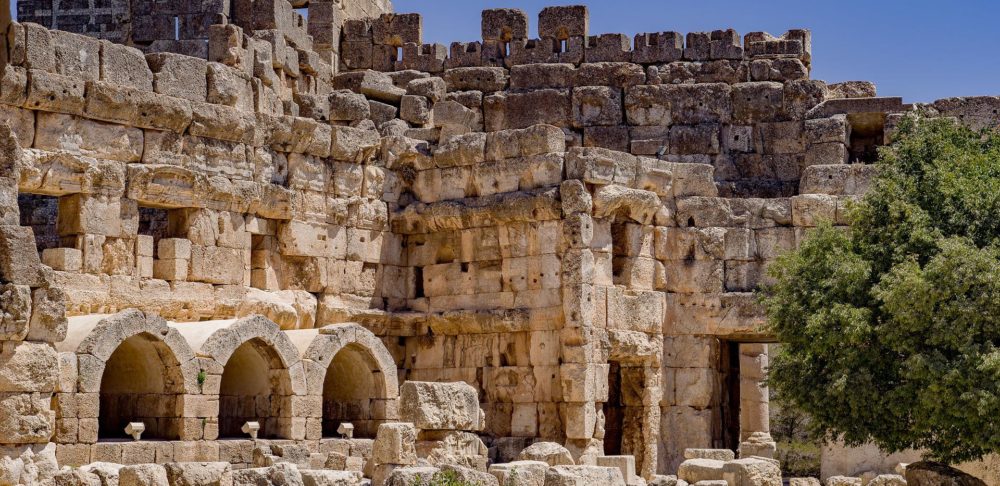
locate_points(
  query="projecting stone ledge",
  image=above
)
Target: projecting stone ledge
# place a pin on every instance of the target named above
(847, 106)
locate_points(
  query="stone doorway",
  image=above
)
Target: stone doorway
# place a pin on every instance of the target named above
(740, 407)
(624, 413)
(141, 383)
(614, 412)
(726, 426)
(867, 135)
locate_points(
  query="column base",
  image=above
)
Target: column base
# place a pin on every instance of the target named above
(759, 444)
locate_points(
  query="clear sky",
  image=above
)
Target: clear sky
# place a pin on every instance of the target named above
(921, 50)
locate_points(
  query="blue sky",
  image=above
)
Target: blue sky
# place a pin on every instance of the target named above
(918, 49)
(921, 50)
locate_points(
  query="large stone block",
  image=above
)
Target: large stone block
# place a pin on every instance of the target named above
(583, 476)
(524, 473)
(130, 106)
(19, 261)
(440, 406)
(55, 92)
(28, 367)
(76, 55)
(125, 65)
(395, 444)
(143, 475)
(199, 473)
(15, 302)
(222, 266)
(549, 453)
(694, 470)
(927, 473)
(484, 79)
(522, 110)
(48, 315)
(25, 418)
(31, 46)
(504, 24)
(564, 22)
(752, 472)
(59, 132)
(597, 106)
(180, 76)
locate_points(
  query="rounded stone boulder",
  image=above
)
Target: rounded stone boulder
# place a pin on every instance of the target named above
(548, 452)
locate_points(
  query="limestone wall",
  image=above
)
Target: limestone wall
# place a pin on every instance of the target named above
(576, 234)
(840, 460)
(184, 26)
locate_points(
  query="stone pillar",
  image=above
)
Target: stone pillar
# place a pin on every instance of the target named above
(652, 395)
(755, 424)
(33, 318)
(584, 371)
(325, 20)
(690, 382)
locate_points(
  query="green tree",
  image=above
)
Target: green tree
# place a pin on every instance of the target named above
(891, 327)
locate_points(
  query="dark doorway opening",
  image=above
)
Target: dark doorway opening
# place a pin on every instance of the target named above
(867, 135)
(614, 412)
(141, 382)
(41, 214)
(727, 430)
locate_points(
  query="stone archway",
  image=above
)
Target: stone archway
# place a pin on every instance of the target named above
(254, 372)
(354, 376)
(136, 368)
(140, 384)
(251, 391)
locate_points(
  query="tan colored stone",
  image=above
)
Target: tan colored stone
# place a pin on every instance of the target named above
(395, 444)
(440, 406)
(547, 452)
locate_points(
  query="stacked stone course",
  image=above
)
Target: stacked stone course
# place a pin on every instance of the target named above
(572, 226)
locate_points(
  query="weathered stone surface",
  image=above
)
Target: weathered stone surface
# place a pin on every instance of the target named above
(527, 473)
(888, 480)
(583, 475)
(927, 473)
(312, 477)
(199, 474)
(405, 476)
(547, 452)
(143, 475)
(752, 472)
(694, 470)
(715, 454)
(395, 444)
(440, 406)
(804, 482)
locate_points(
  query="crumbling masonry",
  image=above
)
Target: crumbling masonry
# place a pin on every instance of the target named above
(219, 212)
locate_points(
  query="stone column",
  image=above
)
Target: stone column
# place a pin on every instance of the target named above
(755, 424)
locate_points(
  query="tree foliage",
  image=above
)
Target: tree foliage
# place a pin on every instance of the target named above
(891, 327)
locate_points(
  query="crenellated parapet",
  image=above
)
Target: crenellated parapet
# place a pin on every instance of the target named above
(393, 42)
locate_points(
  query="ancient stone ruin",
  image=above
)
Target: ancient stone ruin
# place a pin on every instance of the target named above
(288, 241)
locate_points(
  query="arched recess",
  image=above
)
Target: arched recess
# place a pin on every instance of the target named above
(351, 370)
(258, 372)
(137, 367)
